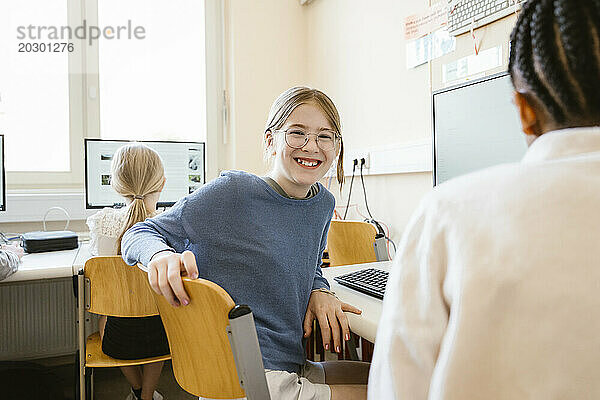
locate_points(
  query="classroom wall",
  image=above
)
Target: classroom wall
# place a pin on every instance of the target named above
(266, 54)
(358, 57)
(356, 53)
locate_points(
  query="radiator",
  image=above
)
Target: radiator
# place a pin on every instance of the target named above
(38, 319)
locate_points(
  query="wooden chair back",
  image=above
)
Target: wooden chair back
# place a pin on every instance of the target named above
(203, 362)
(118, 289)
(351, 242)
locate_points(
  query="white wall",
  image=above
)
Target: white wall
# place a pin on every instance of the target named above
(356, 53)
(266, 54)
(358, 57)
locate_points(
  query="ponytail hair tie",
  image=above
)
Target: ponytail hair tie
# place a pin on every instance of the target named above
(138, 196)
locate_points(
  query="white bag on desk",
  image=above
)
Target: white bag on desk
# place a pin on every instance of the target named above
(9, 264)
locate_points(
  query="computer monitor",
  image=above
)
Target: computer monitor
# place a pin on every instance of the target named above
(183, 163)
(2, 176)
(475, 125)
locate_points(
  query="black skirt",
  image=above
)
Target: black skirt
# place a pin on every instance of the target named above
(133, 338)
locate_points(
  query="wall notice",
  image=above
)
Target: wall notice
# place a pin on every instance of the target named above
(427, 48)
(472, 65)
(419, 25)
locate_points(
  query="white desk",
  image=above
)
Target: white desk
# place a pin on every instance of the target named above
(51, 265)
(48, 265)
(364, 325)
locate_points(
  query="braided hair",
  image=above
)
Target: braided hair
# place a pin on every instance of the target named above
(555, 54)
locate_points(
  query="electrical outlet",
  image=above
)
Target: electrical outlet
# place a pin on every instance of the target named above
(349, 158)
(366, 164)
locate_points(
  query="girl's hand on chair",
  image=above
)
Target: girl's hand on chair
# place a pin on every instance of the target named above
(329, 311)
(165, 271)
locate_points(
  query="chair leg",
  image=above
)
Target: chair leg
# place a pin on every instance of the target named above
(89, 383)
(351, 346)
(367, 350)
(81, 334)
(319, 343)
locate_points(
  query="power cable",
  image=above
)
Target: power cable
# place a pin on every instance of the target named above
(355, 163)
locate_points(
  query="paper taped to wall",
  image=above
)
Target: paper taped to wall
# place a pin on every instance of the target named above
(427, 48)
(473, 64)
(419, 25)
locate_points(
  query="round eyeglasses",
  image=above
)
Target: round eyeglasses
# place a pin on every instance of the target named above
(297, 138)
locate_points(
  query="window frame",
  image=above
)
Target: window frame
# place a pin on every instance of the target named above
(19, 180)
(84, 104)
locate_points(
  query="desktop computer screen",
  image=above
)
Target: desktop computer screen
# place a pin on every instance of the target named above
(475, 125)
(183, 163)
(2, 176)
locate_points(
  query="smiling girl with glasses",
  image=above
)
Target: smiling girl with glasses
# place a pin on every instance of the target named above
(262, 239)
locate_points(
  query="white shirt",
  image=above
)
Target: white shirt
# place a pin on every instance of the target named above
(495, 292)
(105, 227)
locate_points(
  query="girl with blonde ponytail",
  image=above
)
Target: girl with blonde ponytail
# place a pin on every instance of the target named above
(137, 174)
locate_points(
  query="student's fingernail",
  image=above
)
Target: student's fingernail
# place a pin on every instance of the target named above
(194, 276)
(347, 336)
(337, 349)
(326, 347)
(186, 302)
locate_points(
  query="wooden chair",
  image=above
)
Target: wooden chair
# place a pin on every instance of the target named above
(214, 346)
(112, 288)
(351, 242)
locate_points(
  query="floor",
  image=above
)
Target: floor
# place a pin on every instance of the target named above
(56, 379)
(109, 384)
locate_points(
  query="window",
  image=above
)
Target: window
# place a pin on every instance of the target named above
(34, 87)
(153, 88)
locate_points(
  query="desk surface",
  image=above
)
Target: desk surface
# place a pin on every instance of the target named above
(50, 265)
(364, 325)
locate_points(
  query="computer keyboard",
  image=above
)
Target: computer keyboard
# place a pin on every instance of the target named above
(462, 14)
(370, 281)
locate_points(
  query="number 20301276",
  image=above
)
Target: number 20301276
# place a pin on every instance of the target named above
(59, 47)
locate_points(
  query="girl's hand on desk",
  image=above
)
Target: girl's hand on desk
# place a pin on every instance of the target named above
(17, 250)
(165, 271)
(329, 311)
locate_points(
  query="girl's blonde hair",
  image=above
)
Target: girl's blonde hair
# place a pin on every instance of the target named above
(137, 171)
(287, 102)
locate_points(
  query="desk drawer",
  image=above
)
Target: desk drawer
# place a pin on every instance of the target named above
(38, 319)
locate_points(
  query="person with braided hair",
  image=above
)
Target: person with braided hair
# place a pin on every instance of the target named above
(494, 293)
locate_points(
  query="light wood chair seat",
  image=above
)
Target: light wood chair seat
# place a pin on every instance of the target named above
(95, 357)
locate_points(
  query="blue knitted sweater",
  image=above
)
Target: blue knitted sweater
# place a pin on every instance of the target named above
(262, 248)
